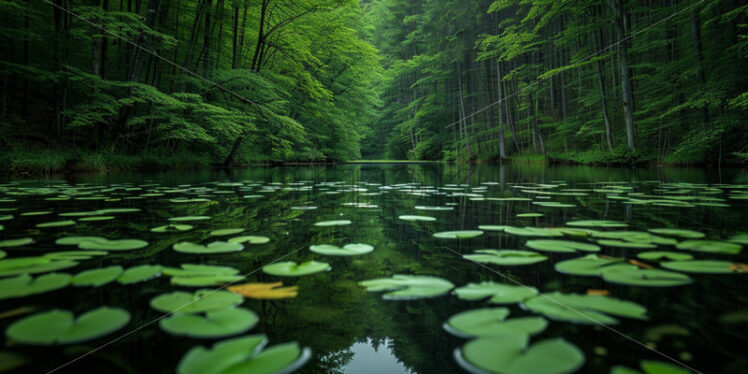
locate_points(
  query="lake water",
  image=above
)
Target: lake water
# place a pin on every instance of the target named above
(702, 323)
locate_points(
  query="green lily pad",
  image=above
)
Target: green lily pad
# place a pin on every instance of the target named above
(189, 218)
(97, 277)
(96, 218)
(200, 301)
(55, 224)
(32, 265)
(465, 234)
(567, 246)
(739, 238)
(3, 254)
(710, 246)
(664, 255)
(77, 240)
(510, 355)
(597, 223)
(191, 275)
(703, 266)
(74, 255)
(417, 218)
(645, 277)
(249, 239)
(24, 285)
(215, 247)
(113, 245)
(530, 215)
(16, 242)
(292, 269)
(585, 309)
(172, 228)
(139, 274)
(347, 250)
(532, 231)
(333, 223)
(492, 227)
(687, 234)
(625, 244)
(408, 287)
(505, 257)
(590, 265)
(244, 355)
(492, 322)
(59, 327)
(434, 208)
(226, 232)
(214, 324)
(498, 292)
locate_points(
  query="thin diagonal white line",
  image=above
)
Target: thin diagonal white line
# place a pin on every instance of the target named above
(576, 311)
(576, 63)
(112, 341)
(153, 53)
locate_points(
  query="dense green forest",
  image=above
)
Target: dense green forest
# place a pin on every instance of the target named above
(97, 84)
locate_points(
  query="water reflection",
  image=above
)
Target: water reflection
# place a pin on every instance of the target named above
(374, 357)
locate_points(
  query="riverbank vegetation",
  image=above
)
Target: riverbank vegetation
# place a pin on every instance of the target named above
(160, 84)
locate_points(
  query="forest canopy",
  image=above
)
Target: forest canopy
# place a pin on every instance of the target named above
(186, 83)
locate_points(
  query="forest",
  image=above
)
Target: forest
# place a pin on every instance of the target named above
(158, 84)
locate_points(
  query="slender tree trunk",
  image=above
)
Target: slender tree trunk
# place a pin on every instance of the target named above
(698, 60)
(260, 36)
(502, 141)
(235, 37)
(462, 110)
(626, 87)
(603, 95)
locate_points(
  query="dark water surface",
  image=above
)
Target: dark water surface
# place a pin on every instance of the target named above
(349, 330)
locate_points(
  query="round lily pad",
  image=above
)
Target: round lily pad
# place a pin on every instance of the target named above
(226, 232)
(347, 250)
(74, 255)
(189, 218)
(113, 245)
(24, 285)
(704, 266)
(172, 228)
(292, 269)
(139, 274)
(590, 265)
(199, 302)
(191, 275)
(77, 240)
(530, 215)
(492, 322)
(96, 219)
(710, 246)
(97, 277)
(417, 218)
(55, 224)
(250, 239)
(466, 234)
(499, 293)
(532, 231)
(333, 223)
(687, 234)
(32, 265)
(567, 246)
(585, 309)
(625, 244)
(505, 257)
(597, 223)
(215, 247)
(664, 255)
(510, 355)
(214, 324)
(645, 277)
(59, 327)
(408, 287)
(244, 355)
(16, 242)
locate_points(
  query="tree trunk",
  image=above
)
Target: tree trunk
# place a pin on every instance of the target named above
(698, 61)
(502, 141)
(260, 36)
(603, 96)
(626, 87)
